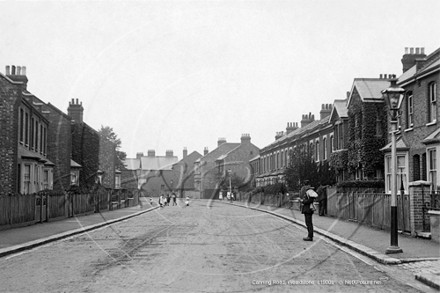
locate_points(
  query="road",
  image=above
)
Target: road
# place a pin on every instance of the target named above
(200, 248)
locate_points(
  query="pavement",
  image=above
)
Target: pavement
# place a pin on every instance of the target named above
(420, 256)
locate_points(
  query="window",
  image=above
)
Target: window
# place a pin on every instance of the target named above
(41, 138)
(409, 111)
(432, 167)
(32, 133)
(36, 136)
(118, 181)
(378, 127)
(74, 177)
(401, 172)
(21, 125)
(325, 148)
(317, 150)
(26, 129)
(332, 143)
(46, 179)
(27, 179)
(432, 102)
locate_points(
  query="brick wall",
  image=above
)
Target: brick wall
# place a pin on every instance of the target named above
(59, 145)
(419, 196)
(10, 99)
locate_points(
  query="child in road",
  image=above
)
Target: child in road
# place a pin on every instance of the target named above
(187, 201)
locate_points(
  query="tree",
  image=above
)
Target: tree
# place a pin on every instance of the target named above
(108, 133)
(301, 167)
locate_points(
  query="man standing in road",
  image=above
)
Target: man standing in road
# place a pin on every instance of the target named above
(306, 201)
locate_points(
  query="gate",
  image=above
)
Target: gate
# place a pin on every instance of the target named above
(41, 207)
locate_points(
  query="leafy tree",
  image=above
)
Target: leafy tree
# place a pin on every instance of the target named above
(236, 182)
(108, 133)
(303, 167)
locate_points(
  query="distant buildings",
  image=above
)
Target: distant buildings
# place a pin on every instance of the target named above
(227, 159)
(158, 175)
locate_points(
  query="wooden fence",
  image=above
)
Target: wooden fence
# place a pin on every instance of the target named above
(17, 209)
(368, 208)
(21, 210)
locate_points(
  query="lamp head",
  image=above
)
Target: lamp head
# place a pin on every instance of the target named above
(393, 97)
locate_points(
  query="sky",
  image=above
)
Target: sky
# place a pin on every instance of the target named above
(172, 74)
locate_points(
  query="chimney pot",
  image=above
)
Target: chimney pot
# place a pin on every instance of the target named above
(422, 50)
(411, 51)
(13, 70)
(23, 69)
(7, 70)
(18, 70)
(380, 76)
(406, 50)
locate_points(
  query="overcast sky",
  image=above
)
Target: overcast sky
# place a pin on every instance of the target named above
(172, 74)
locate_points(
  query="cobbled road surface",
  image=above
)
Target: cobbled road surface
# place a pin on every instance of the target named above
(206, 247)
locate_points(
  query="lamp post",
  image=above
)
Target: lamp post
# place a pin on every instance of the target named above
(230, 184)
(393, 97)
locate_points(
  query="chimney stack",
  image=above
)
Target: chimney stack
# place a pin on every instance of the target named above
(221, 141)
(307, 119)
(279, 135)
(205, 151)
(151, 153)
(139, 155)
(326, 109)
(169, 153)
(291, 126)
(185, 152)
(409, 59)
(17, 73)
(245, 138)
(75, 110)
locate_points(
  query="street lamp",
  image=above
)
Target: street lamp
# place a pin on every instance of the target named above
(393, 97)
(230, 184)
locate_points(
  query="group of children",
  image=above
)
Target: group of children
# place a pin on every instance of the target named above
(165, 201)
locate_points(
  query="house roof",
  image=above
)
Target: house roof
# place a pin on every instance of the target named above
(221, 150)
(158, 162)
(369, 89)
(400, 144)
(27, 154)
(74, 164)
(300, 131)
(434, 137)
(340, 106)
(132, 164)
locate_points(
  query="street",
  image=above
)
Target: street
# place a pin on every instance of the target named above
(206, 247)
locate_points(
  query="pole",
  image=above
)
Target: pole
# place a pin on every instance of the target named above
(394, 246)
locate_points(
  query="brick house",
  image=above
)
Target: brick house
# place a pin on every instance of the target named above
(23, 144)
(95, 155)
(314, 136)
(183, 172)
(339, 139)
(367, 127)
(213, 167)
(418, 140)
(151, 173)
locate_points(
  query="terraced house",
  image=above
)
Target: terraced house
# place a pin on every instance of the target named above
(41, 147)
(418, 141)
